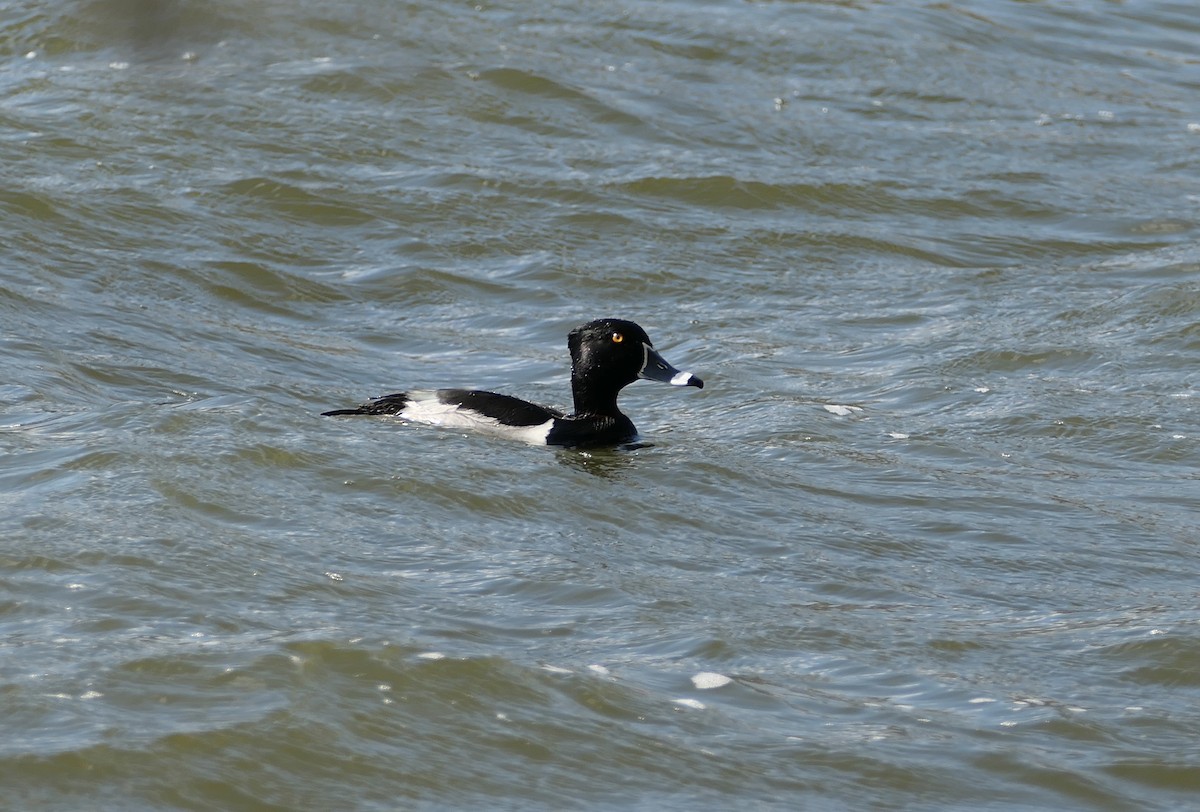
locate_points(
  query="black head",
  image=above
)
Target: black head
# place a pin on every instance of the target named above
(608, 355)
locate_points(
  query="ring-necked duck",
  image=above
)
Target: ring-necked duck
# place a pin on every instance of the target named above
(606, 356)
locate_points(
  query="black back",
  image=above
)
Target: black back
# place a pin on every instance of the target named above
(508, 410)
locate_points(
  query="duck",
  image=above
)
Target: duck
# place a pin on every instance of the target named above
(606, 356)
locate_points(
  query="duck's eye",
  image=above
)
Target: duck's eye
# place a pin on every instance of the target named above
(617, 338)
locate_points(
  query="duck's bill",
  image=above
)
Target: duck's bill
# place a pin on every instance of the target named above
(656, 368)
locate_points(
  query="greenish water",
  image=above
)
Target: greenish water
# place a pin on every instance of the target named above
(926, 540)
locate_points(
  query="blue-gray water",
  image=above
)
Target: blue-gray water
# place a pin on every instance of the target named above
(927, 540)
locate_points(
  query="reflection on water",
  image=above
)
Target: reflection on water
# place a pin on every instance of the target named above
(608, 463)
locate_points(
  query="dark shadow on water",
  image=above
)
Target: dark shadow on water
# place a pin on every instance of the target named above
(154, 29)
(607, 463)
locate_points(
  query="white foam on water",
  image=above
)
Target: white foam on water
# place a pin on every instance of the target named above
(707, 680)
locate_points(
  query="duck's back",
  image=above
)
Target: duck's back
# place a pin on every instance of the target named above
(504, 409)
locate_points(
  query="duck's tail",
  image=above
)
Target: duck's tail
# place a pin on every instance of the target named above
(388, 404)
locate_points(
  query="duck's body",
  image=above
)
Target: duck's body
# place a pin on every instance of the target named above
(606, 356)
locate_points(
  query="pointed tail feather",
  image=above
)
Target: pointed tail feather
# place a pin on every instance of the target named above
(388, 404)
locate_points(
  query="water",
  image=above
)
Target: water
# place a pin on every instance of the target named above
(926, 540)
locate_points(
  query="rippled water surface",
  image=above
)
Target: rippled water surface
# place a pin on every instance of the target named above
(926, 540)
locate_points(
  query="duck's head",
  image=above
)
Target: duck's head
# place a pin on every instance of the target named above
(608, 354)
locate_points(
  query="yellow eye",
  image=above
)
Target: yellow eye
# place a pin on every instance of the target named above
(618, 338)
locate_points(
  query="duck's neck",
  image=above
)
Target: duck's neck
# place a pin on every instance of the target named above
(588, 401)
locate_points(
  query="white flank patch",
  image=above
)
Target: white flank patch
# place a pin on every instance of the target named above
(424, 407)
(706, 680)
